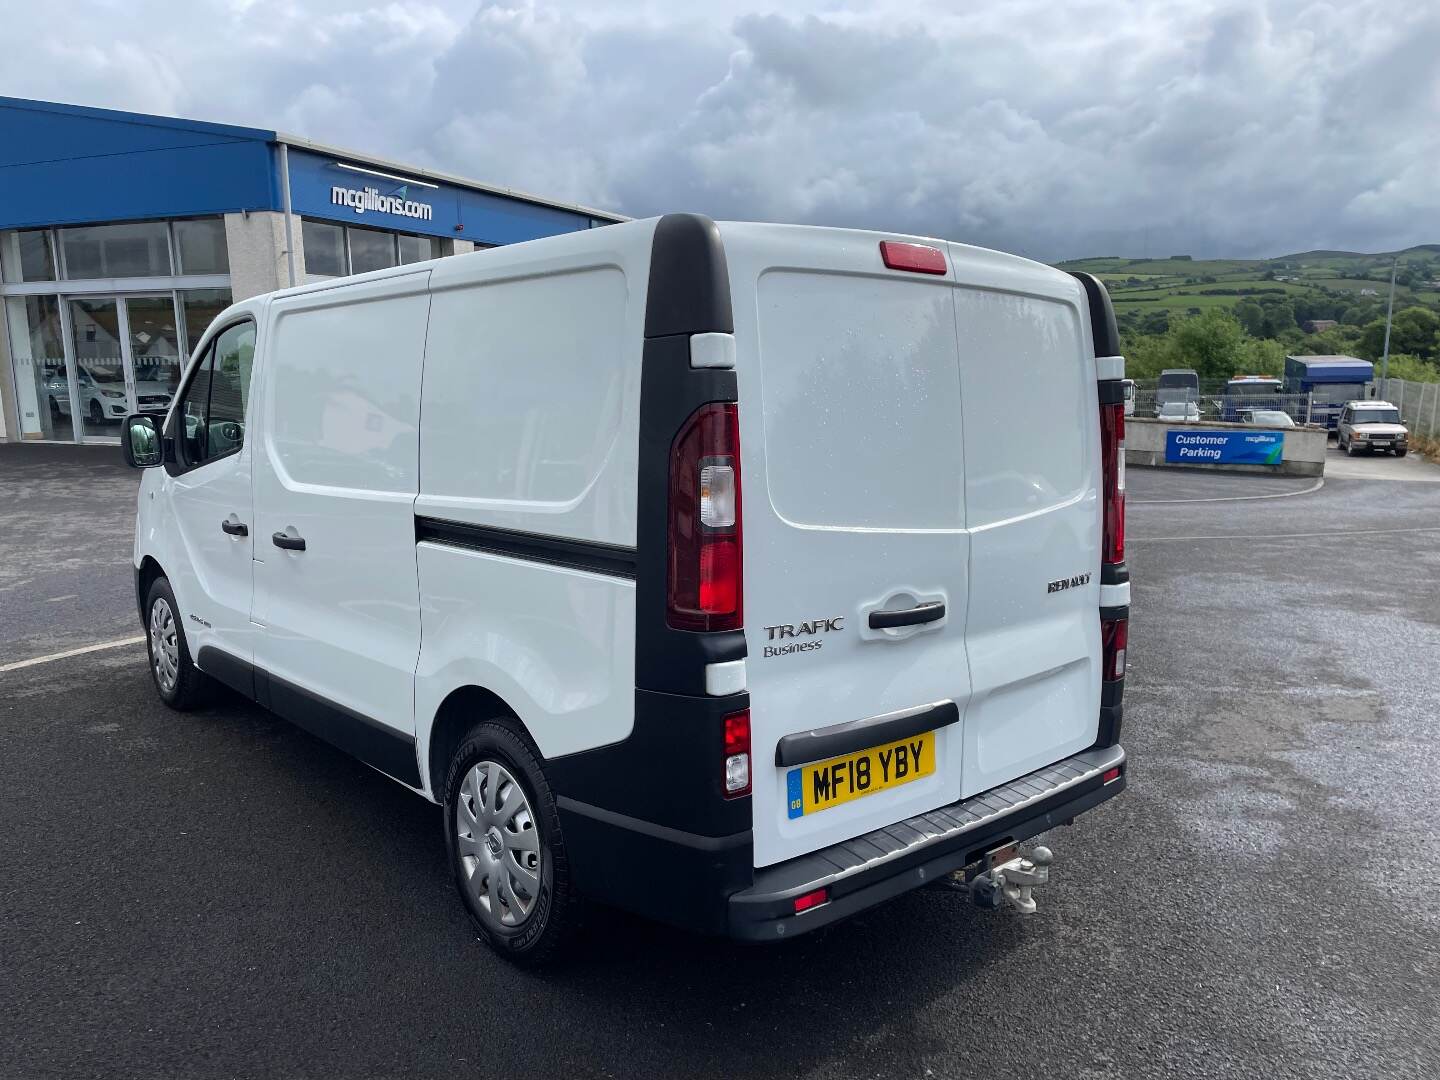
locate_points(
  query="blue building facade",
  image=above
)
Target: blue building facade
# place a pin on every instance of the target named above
(122, 235)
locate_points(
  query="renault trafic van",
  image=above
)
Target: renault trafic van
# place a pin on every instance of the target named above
(701, 570)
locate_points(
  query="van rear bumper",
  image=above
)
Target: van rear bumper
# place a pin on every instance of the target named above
(869, 869)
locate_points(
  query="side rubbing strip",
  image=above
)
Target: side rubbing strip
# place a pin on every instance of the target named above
(611, 559)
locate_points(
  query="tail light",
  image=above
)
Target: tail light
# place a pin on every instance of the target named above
(703, 588)
(1112, 463)
(1114, 636)
(737, 754)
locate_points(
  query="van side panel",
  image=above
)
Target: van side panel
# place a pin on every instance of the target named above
(527, 499)
(531, 404)
(338, 466)
(1032, 496)
(556, 644)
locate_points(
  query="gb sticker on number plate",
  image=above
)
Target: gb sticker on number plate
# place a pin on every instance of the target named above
(812, 788)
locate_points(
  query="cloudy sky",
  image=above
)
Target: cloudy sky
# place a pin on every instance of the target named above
(1213, 127)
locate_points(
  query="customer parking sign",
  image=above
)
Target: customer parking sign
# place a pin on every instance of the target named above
(1217, 447)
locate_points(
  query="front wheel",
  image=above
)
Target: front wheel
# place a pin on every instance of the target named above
(502, 833)
(1401, 451)
(180, 684)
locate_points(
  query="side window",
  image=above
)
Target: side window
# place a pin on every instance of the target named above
(192, 412)
(213, 410)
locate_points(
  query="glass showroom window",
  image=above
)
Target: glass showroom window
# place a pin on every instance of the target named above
(371, 250)
(324, 249)
(37, 350)
(200, 307)
(418, 248)
(139, 249)
(26, 255)
(200, 243)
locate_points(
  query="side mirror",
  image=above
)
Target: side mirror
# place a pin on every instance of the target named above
(142, 443)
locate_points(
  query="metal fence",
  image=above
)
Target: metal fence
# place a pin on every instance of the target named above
(1418, 402)
(1231, 407)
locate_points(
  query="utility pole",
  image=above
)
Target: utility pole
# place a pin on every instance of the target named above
(1389, 311)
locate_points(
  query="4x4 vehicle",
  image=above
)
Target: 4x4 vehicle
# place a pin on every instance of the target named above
(699, 569)
(1372, 425)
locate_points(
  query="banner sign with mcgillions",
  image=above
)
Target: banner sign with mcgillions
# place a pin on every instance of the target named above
(1232, 447)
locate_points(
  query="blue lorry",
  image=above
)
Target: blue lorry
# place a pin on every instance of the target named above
(1330, 380)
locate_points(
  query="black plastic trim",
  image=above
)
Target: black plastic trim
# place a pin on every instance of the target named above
(374, 743)
(689, 293)
(1111, 613)
(1111, 391)
(1111, 717)
(918, 615)
(1103, 329)
(1112, 691)
(611, 559)
(689, 289)
(761, 914)
(818, 744)
(686, 879)
(1114, 574)
(222, 666)
(669, 771)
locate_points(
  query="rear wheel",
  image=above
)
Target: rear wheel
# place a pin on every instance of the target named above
(502, 833)
(180, 684)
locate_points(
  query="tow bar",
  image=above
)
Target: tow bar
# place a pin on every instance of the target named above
(1005, 876)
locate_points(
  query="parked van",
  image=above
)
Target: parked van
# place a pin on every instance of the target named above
(702, 570)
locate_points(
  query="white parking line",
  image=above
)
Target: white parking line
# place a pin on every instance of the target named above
(1227, 498)
(1284, 536)
(18, 664)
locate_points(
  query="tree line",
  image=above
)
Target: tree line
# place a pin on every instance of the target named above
(1255, 336)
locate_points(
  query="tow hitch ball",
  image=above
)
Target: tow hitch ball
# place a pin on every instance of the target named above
(1011, 882)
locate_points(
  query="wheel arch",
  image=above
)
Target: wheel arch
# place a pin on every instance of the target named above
(461, 710)
(146, 574)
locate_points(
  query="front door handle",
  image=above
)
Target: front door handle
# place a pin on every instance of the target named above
(920, 613)
(288, 542)
(235, 528)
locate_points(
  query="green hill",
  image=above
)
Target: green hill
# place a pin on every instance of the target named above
(1320, 284)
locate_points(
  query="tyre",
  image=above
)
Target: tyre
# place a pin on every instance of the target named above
(54, 410)
(180, 684)
(502, 835)
(1402, 451)
(1350, 448)
(97, 414)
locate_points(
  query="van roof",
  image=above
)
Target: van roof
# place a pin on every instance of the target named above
(975, 255)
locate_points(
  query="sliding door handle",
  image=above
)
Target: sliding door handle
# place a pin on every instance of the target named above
(915, 616)
(234, 528)
(288, 542)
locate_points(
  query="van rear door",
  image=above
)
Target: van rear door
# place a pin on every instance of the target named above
(853, 487)
(919, 456)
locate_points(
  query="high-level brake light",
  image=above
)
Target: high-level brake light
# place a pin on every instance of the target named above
(703, 589)
(917, 258)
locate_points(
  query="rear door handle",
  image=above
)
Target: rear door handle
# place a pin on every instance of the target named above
(288, 542)
(234, 528)
(920, 613)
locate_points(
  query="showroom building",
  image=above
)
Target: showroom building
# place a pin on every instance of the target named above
(122, 235)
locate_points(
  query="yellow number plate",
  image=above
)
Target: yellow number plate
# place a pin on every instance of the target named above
(812, 788)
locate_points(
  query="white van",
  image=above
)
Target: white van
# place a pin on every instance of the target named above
(702, 570)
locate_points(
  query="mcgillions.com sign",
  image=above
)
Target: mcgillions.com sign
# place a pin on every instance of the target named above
(363, 199)
(1235, 447)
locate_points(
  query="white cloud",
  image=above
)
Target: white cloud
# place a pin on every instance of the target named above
(1207, 126)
